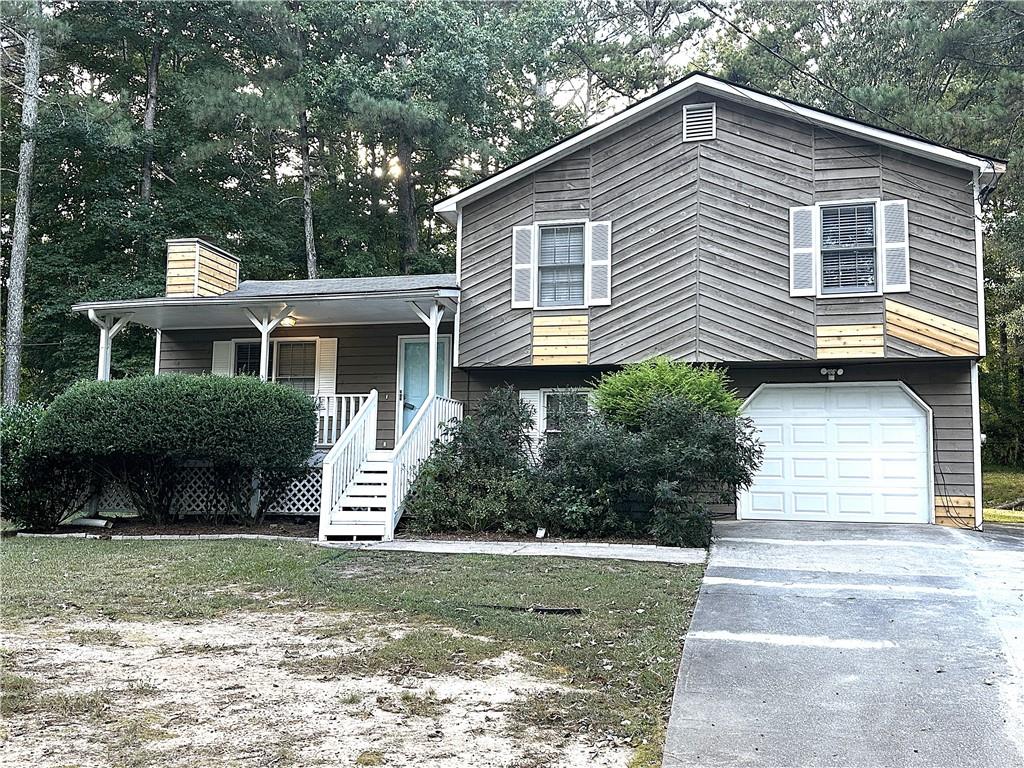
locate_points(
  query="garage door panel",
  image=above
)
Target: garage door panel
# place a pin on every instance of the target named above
(840, 453)
(809, 434)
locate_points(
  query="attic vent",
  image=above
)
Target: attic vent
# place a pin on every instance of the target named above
(698, 122)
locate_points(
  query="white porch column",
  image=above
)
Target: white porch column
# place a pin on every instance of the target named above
(109, 328)
(433, 321)
(265, 324)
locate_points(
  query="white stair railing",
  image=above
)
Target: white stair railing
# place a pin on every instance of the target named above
(333, 415)
(343, 460)
(414, 447)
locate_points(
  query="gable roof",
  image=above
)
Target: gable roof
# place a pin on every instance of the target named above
(699, 81)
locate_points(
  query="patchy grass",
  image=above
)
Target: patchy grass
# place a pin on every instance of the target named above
(615, 661)
(421, 653)
(1000, 485)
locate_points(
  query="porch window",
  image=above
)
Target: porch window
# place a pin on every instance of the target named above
(848, 249)
(247, 358)
(296, 365)
(292, 363)
(561, 265)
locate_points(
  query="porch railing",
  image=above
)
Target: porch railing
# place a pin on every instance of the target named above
(414, 447)
(343, 460)
(333, 414)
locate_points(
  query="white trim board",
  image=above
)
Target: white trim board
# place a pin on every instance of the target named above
(449, 207)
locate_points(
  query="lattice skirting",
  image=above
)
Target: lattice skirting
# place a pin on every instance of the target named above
(196, 495)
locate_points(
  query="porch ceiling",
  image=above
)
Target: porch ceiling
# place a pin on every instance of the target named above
(229, 311)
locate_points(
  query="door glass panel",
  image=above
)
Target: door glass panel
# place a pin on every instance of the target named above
(415, 372)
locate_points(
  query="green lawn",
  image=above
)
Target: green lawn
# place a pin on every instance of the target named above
(1001, 485)
(617, 658)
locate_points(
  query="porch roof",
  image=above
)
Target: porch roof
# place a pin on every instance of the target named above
(311, 302)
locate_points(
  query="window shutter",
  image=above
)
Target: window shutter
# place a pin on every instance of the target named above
(326, 366)
(532, 398)
(600, 263)
(223, 365)
(895, 245)
(522, 267)
(802, 251)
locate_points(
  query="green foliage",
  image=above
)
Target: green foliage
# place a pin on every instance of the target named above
(625, 397)
(39, 487)
(596, 477)
(140, 431)
(479, 477)
(656, 479)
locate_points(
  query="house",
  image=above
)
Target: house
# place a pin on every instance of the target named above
(831, 267)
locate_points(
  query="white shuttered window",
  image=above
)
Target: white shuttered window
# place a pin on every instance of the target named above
(846, 248)
(562, 265)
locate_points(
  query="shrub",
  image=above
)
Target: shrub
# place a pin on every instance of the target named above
(659, 479)
(625, 397)
(141, 431)
(479, 477)
(39, 488)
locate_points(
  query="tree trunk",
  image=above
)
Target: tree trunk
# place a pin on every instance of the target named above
(408, 232)
(149, 121)
(19, 240)
(307, 195)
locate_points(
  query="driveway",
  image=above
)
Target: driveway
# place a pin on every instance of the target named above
(862, 646)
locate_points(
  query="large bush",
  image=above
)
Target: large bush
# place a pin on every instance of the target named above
(479, 477)
(657, 477)
(39, 487)
(141, 431)
(625, 397)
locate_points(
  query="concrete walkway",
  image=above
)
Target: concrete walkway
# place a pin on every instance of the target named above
(860, 646)
(642, 552)
(647, 553)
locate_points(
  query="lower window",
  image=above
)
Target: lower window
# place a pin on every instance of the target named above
(563, 406)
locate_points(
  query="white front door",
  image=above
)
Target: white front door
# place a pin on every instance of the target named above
(839, 452)
(413, 375)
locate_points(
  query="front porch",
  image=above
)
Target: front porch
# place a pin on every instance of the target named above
(374, 354)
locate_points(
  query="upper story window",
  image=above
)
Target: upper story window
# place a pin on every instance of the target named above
(561, 266)
(848, 254)
(849, 248)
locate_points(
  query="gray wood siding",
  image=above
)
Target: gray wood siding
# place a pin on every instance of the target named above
(758, 167)
(490, 331)
(700, 240)
(945, 386)
(367, 359)
(645, 180)
(943, 272)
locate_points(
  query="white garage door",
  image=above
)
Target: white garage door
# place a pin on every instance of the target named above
(841, 452)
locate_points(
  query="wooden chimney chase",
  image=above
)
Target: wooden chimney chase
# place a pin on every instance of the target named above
(198, 268)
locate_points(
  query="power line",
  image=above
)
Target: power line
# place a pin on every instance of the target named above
(796, 67)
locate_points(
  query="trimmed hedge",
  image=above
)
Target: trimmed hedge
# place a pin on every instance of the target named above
(625, 397)
(141, 430)
(39, 487)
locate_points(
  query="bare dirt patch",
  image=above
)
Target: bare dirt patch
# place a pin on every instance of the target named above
(283, 689)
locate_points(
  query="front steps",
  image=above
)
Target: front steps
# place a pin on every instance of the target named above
(363, 509)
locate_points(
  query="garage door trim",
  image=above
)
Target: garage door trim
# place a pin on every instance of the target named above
(921, 404)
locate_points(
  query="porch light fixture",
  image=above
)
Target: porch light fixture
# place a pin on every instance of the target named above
(288, 322)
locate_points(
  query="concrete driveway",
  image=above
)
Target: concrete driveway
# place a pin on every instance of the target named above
(861, 646)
